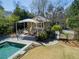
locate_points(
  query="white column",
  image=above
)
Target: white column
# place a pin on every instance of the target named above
(16, 32)
(43, 26)
(16, 28)
(24, 25)
(31, 27)
(36, 29)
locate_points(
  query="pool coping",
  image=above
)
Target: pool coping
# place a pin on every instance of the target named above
(19, 51)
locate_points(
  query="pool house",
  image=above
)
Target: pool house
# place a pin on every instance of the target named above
(35, 25)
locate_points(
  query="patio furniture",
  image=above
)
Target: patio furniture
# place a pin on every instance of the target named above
(25, 32)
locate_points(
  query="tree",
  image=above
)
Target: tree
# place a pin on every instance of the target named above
(74, 8)
(50, 7)
(59, 11)
(6, 24)
(73, 23)
(58, 15)
(40, 6)
(21, 13)
(73, 18)
(1, 10)
(50, 11)
(74, 14)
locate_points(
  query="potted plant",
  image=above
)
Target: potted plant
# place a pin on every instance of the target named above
(57, 29)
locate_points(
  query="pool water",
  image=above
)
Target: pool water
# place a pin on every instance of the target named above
(9, 48)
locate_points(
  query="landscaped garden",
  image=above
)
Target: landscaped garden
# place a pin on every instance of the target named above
(39, 25)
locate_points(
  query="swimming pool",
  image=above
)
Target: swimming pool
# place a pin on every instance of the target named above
(9, 48)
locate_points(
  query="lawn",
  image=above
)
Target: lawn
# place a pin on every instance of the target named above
(58, 51)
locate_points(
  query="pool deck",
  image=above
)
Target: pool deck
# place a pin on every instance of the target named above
(21, 39)
(16, 41)
(25, 39)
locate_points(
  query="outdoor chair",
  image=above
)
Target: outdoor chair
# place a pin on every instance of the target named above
(25, 32)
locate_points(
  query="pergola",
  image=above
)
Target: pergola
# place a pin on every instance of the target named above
(27, 21)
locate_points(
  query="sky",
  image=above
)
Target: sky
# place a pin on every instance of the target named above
(10, 6)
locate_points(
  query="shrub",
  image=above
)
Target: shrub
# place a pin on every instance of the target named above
(48, 31)
(56, 28)
(6, 25)
(73, 22)
(42, 36)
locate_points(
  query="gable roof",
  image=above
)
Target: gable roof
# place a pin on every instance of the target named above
(28, 20)
(40, 19)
